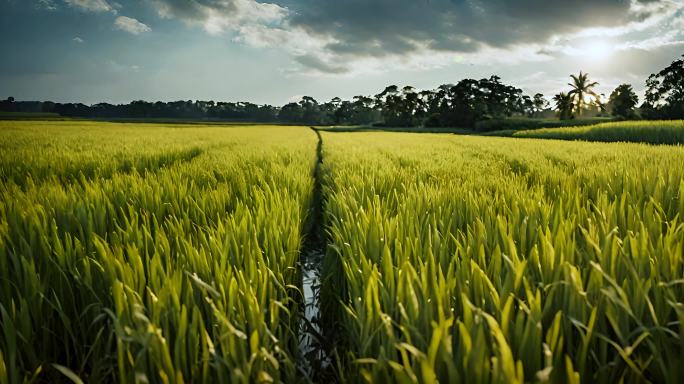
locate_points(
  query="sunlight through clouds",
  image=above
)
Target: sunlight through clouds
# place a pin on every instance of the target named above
(346, 39)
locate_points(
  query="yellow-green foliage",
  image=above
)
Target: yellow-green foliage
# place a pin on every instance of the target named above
(495, 260)
(150, 253)
(654, 132)
(168, 253)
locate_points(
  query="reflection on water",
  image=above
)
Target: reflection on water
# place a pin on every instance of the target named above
(311, 340)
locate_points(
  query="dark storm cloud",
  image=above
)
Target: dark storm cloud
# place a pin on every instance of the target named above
(381, 27)
(219, 15)
(339, 31)
(312, 61)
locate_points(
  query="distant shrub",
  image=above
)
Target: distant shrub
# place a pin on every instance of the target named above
(522, 123)
(653, 132)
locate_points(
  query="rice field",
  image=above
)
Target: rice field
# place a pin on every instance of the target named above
(497, 260)
(654, 132)
(151, 253)
(173, 253)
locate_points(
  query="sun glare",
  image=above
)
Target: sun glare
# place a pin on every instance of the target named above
(595, 50)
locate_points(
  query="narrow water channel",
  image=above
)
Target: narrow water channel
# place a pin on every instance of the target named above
(313, 351)
(312, 342)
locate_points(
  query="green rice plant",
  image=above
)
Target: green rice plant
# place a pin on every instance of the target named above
(68, 151)
(496, 260)
(653, 132)
(168, 271)
(168, 253)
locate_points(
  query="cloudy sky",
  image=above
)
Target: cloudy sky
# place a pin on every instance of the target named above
(272, 52)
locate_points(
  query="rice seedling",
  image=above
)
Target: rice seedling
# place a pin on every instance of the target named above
(495, 260)
(654, 132)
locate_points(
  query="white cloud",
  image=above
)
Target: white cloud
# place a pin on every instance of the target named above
(220, 16)
(647, 15)
(48, 5)
(114, 66)
(77, 40)
(652, 43)
(131, 25)
(91, 5)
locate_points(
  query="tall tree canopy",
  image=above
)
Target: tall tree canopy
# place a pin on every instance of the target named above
(468, 103)
(665, 93)
(564, 105)
(582, 89)
(622, 101)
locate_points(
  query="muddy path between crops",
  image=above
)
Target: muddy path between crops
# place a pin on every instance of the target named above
(314, 346)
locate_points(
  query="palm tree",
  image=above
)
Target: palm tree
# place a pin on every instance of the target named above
(581, 88)
(564, 105)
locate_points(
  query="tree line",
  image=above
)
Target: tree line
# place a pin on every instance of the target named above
(463, 104)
